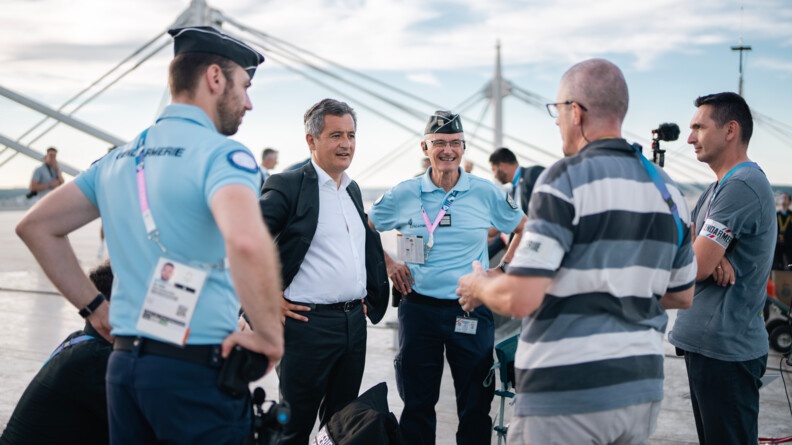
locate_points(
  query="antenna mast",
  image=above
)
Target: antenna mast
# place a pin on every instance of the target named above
(497, 99)
(741, 48)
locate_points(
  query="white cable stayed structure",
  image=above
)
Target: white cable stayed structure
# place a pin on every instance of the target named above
(402, 110)
(197, 14)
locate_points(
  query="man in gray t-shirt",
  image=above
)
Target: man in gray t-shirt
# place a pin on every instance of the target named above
(722, 335)
(47, 176)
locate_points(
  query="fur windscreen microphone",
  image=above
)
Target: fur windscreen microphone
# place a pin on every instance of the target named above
(666, 132)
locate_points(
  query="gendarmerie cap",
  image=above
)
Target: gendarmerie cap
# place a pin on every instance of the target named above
(443, 122)
(205, 39)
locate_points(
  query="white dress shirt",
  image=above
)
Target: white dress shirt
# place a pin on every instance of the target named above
(334, 268)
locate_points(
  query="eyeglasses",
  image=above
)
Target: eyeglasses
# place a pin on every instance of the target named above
(552, 109)
(441, 143)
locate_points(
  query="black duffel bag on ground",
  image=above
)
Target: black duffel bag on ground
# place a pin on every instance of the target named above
(366, 420)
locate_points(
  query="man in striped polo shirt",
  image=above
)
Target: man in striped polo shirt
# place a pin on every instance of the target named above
(603, 255)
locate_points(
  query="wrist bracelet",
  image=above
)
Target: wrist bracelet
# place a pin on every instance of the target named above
(502, 266)
(88, 310)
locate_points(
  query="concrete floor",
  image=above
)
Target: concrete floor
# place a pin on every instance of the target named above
(34, 319)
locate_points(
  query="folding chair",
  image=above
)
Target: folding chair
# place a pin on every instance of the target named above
(504, 352)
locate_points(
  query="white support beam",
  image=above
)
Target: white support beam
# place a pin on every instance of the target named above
(25, 150)
(68, 120)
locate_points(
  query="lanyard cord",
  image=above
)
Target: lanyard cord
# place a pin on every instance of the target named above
(449, 199)
(145, 210)
(722, 181)
(516, 181)
(783, 224)
(68, 344)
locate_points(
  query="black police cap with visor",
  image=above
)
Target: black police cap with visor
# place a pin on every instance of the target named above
(205, 39)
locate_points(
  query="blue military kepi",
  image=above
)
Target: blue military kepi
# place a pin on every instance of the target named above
(205, 39)
(443, 122)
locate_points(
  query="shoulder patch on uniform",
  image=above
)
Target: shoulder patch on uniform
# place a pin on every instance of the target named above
(511, 202)
(243, 160)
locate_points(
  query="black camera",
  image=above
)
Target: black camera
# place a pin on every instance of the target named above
(267, 426)
(664, 132)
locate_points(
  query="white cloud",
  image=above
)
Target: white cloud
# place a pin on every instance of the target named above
(52, 50)
(409, 34)
(424, 78)
(784, 66)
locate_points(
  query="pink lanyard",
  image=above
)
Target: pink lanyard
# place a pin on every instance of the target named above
(148, 218)
(432, 226)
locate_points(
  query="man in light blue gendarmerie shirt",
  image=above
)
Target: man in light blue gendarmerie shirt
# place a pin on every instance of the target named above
(181, 193)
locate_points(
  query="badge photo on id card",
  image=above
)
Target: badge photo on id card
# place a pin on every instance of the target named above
(170, 301)
(410, 249)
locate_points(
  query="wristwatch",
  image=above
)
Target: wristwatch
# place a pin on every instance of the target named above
(88, 310)
(502, 266)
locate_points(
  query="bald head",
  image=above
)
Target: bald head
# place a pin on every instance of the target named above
(600, 86)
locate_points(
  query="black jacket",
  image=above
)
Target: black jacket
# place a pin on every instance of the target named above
(526, 184)
(66, 403)
(290, 206)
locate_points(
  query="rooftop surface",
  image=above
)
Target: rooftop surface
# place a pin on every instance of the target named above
(35, 319)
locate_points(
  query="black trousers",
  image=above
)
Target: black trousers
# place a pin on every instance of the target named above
(322, 367)
(782, 257)
(725, 398)
(426, 333)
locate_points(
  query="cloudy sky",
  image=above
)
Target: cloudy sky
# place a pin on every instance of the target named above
(397, 61)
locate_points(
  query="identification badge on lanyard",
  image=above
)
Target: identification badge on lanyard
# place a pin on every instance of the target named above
(466, 325)
(410, 249)
(170, 301)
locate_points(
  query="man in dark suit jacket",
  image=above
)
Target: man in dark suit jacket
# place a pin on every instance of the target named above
(331, 262)
(506, 170)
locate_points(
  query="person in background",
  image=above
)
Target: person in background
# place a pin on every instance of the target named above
(66, 403)
(506, 170)
(723, 335)
(783, 247)
(47, 176)
(468, 166)
(269, 159)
